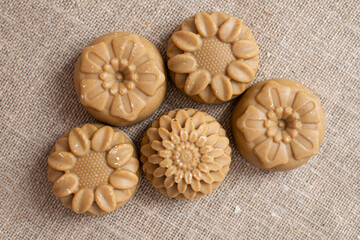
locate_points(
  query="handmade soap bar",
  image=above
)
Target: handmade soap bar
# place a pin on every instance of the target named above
(185, 154)
(278, 124)
(120, 78)
(212, 57)
(94, 169)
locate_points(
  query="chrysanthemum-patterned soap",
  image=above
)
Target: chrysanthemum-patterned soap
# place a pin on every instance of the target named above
(185, 154)
(278, 124)
(120, 78)
(212, 57)
(94, 169)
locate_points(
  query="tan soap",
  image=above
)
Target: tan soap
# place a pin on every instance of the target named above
(212, 57)
(94, 169)
(185, 154)
(120, 78)
(278, 124)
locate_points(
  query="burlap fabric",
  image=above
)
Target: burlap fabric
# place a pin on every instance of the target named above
(314, 42)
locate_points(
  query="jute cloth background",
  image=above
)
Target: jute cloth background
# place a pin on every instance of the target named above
(314, 42)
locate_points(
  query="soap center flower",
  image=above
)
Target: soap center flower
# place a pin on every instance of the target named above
(186, 156)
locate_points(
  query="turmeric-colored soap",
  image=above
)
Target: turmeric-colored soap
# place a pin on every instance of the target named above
(93, 169)
(185, 154)
(120, 78)
(212, 57)
(278, 124)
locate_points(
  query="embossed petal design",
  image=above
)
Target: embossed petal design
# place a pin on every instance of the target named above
(213, 56)
(185, 154)
(286, 119)
(121, 73)
(98, 171)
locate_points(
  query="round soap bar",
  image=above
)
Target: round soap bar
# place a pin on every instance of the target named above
(278, 124)
(212, 57)
(94, 169)
(120, 78)
(185, 154)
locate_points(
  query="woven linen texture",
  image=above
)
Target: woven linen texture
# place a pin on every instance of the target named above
(314, 42)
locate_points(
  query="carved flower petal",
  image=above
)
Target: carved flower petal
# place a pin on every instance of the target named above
(306, 106)
(172, 50)
(211, 139)
(182, 186)
(197, 174)
(78, 142)
(193, 136)
(178, 176)
(216, 152)
(127, 106)
(184, 135)
(181, 116)
(155, 159)
(62, 145)
(218, 176)
(150, 78)
(157, 145)
(206, 177)
(152, 134)
(150, 168)
(93, 57)
(158, 182)
(206, 188)
(170, 171)
(164, 133)
(119, 155)
(175, 138)
(203, 167)
(166, 163)
(197, 81)
(245, 49)
(189, 25)
(221, 87)
(214, 166)
(132, 165)
(122, 195)
(169, 181)
(222, 142)
(230, 30)
(219, 18)
(273, 95)
(123, 179)
(54, 174)
(180, 79)
(196, 185)
(202, 129)
(238, 87)
(105, 198)
(189, 193)
(223, 160)
(165, 153)
(147, 151)
(186, 41)
(175, 126)
(159, 172)
(188, 177)
(172, 191)
(262, 151)
(82, 200)
(118, 138)
(251, 123)
(92, 94)
(305, 144)
(198, 118)
(205, 25)
(165, 121)
(168, 144)
(102, 139)
(240, 71)
(61, 161)
(122, 46)
(65, 185)
(89, 129)
(207, 159)
(207, 95)
(213, 127)
(182, 63)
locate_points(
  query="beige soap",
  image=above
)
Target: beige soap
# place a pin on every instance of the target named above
(185, 154)
(120, 78)
(278, 124)
(212, 57)
(94, 169)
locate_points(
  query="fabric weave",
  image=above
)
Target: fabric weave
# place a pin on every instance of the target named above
(314, 42)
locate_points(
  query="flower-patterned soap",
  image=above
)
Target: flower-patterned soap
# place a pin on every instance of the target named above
(185, 154)
(120, 78)
(212, 57)
(94, 169)
(278, 124)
